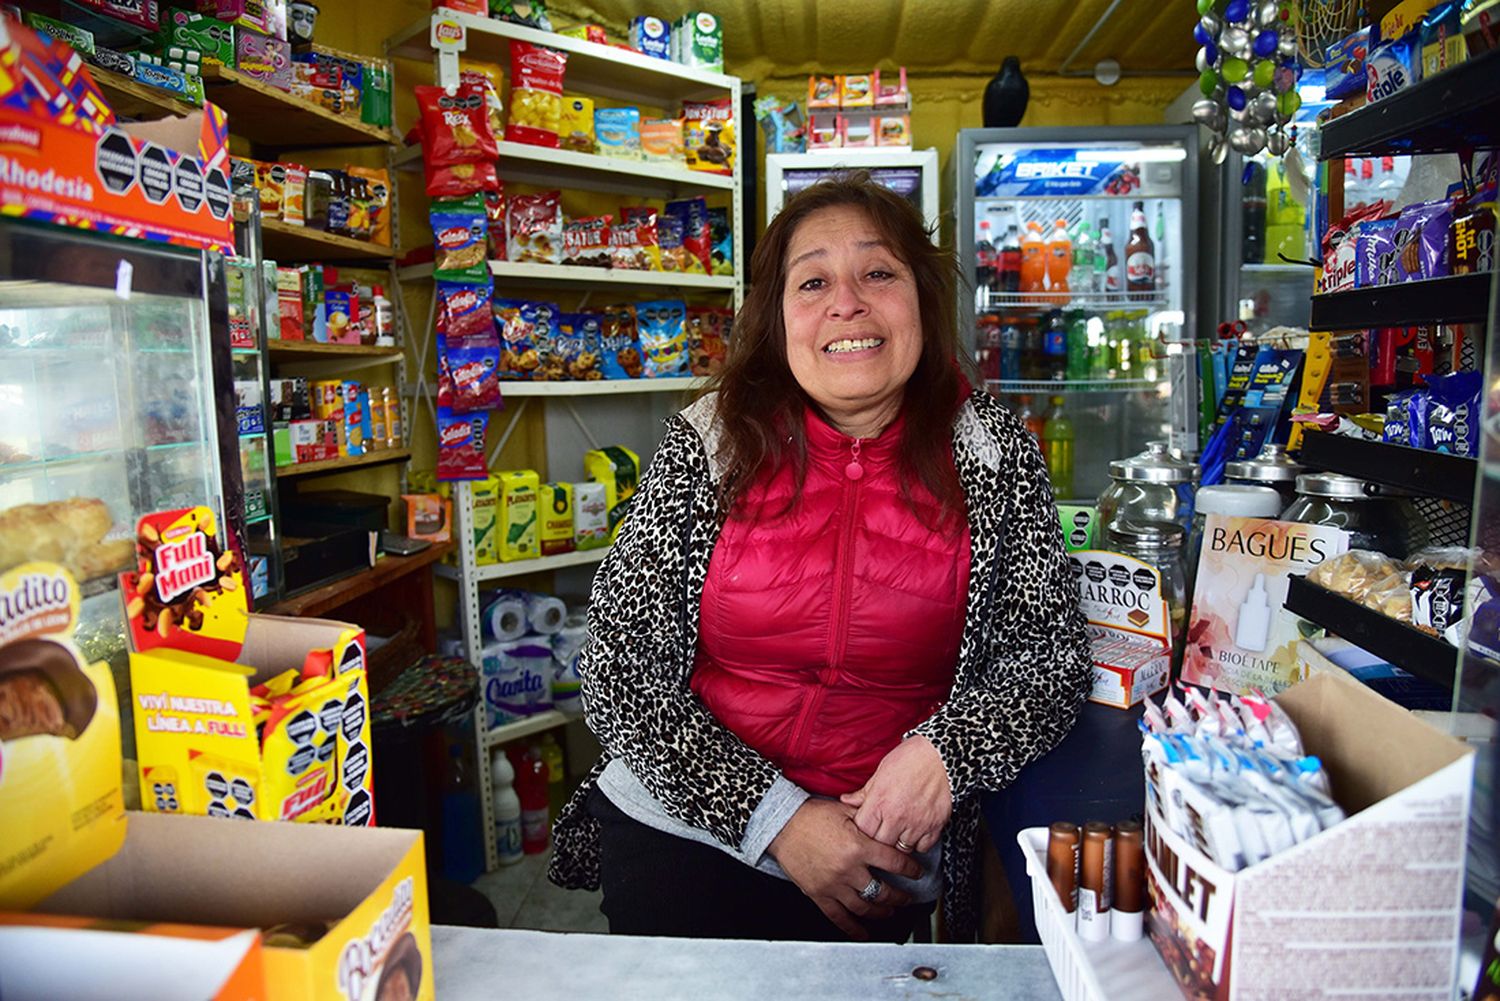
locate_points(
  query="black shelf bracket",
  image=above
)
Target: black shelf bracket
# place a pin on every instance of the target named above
(1456, 299)
(1423, 655)
(1455, 110)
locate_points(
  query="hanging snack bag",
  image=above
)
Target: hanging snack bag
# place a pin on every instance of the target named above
(464, 312)
(536, 100)
(460, 238)
(576, 131)
(663, 332)
(534, 228)
(488, 77)
(461, 445)
(475, 374)
(461, 180)
(494, 215)
(721, 243)
(697, 233)
(634, 243)
(445, 372)
(708, 338)
(1471, 239)
(661, 140)
(708, 135)
(531, 13)
(456, 126)
(586, 242)
(618, 131)
(619, 345)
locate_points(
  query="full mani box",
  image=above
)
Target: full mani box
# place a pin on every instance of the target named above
(1372, 905)
(343, 910)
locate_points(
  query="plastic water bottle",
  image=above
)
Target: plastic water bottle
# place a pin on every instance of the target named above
(507, 809)
(1084, 266)
(1057, 437)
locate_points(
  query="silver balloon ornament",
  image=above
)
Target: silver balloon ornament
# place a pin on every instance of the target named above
(1287, 47)
(1212, 23)
(1247, 141)
(1202, 61)
(1235, 41)
(1218, 149)
(1264, 104)
(1205, 111)
(1277, 143)
(1268, 15)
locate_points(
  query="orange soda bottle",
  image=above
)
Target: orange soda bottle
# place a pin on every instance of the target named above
(1059, 261)
(1033, 258)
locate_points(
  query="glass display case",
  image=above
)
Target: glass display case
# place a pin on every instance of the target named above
(108, 402)
(1080, 278)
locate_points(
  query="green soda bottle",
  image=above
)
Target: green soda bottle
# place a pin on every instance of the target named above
(1078, 346)
(1057, 435)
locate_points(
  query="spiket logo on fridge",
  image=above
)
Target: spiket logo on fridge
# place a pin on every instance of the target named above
(362, 957)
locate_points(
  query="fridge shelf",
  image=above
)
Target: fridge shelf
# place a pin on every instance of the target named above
(1455, 110)
(1457, 299)
(1045, 301)
(1046, 386)
(1413, 470)
(1425, 656)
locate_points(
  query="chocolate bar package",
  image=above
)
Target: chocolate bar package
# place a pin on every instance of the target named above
(1344, 65)
(1421, 241)
(1471, 244)
(1453, 413)
(1375, 253)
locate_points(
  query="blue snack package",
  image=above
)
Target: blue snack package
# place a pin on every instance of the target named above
(662, 328)
(1344, 64)
(721, 251)
(619, 343)
(1453, 413)
(1416, 419)
(1398, 418)
(1391, 68)
(1375, 253)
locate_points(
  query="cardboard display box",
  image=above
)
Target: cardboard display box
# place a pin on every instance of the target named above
(1129, 626)
(368, 888)
(1372, 904)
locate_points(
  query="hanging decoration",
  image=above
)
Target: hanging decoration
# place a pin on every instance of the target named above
(1248, 71)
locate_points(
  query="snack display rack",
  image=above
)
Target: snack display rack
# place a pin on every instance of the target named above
(598, 71)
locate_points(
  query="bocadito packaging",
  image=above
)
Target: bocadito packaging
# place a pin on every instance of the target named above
(239, 715)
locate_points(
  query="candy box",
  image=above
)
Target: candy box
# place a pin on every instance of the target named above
(619, 470)
(652, 36)
(140, 13)
(81, 40)
(823, 92)
(268, 17)
(314, 440)
(618, 132)
(1471, 246)
(363, 890)
(168, 78)
(1344, 64)
(61, 810)
(1442, 39)
(208, 35)
(857, 90)
(518, 515)
(1391, 68)
(1129, 626)
(264, 58)
(891, 90)
(289, 294)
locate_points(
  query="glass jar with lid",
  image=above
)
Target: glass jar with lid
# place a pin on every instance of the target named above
(1155, 486)
(1271, 468)
(1158, 545)
(1238, 500)
(1373, 518)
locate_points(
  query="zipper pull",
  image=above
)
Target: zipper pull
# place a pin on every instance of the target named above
(854, 470)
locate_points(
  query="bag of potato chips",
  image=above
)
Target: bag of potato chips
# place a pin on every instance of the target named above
(536, 102)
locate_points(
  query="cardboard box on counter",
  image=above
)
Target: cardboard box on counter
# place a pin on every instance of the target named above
(1129, 625)
(1372, 903)
(363, 890)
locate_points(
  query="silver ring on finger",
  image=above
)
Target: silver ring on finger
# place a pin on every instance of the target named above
(902, 846)
(871, 891)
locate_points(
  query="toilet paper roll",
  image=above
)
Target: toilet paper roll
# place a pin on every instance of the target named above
(505, 618)
(567, 683)
(516, 678)
(545, 614)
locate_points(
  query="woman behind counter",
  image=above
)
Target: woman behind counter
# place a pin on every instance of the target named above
(838, 610)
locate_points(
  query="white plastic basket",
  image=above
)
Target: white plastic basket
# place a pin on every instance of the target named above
(1134, 971)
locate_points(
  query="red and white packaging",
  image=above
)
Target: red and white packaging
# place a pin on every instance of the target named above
(1129, 624)
(536, 86)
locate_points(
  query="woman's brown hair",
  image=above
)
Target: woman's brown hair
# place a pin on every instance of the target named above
(760, 402)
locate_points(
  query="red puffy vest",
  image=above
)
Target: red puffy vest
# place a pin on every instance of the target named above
(828, 632)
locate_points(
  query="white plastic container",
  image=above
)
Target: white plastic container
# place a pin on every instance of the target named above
(1134, 971)
(507, 808)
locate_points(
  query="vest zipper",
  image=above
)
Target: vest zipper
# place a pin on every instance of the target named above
(838, 620)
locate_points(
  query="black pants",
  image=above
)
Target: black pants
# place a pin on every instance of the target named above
(659, 884)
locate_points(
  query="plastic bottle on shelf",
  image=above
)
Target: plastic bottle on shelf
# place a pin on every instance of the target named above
(1140, 256)
(1057, 445)
(1145, 348)
(385, 319)
(1033, 422)
(1162, 264)
(1085, 271)
(1010, 349)
(1008, 257)
(1033, 349)
(1253, 214)
(1111, 263)
(531, 787)
(984, 258)
(1059, 261)
(507, 809)
(1055, 346)
(463, 828)
(1033, 259)
(1101, 363)
(1079, 360)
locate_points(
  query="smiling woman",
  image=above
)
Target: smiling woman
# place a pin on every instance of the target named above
(838, 610)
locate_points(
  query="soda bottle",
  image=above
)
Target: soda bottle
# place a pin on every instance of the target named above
(1059, 261)
(1253, 214)
(1033, 350)
(1033, 422)
(1078, 347)
(1008, 268)
(984, 258)
(1010, 349)
(1111, 264)
(1121, 351)
(1055, 345)
(1084, 270)
(1140, 256)
(1033, 258)
(531, 787)
(1100, 360)
(1057, 445)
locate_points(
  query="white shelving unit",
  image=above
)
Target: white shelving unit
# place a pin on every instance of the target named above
(595, 71)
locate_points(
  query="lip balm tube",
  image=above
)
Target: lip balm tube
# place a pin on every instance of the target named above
(1062, 864)
(1095, 874)
(1127, 917)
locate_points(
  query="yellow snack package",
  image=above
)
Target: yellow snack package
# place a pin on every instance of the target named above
(576, 130)
(619, 469)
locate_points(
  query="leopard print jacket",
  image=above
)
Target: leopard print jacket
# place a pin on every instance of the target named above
(1022, 675)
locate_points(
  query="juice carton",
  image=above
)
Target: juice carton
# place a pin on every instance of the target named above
(517, 521)
(556, 506)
